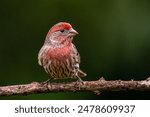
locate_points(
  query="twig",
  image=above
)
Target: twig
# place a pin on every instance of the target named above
(86, 86)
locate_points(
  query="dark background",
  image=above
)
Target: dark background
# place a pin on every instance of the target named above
(113, 40)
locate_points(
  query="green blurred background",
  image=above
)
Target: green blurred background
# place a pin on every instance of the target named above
(113, 40)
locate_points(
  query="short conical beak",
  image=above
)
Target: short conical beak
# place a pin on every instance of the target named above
(73, 32)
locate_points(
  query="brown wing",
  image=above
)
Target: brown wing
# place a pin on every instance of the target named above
(80, 73)
(76, 53)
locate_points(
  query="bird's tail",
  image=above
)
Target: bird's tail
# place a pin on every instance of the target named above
(81, 73)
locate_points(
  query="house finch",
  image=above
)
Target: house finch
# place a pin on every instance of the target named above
(58, 56)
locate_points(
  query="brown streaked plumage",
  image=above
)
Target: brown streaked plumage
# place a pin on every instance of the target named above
(59, 56)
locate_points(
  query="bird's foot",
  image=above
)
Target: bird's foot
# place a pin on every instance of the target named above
(78, 83)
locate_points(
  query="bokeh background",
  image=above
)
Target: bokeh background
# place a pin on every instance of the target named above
(113, 40)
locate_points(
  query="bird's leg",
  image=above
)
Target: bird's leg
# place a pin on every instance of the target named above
(79, 80)
(47, 81)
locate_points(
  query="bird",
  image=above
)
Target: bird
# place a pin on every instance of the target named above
(58, 55)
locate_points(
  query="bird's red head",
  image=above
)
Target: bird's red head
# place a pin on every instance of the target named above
(61, 31)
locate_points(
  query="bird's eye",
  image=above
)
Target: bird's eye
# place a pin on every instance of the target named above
(62, 30)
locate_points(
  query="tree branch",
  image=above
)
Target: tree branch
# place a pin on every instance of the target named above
(86, 86)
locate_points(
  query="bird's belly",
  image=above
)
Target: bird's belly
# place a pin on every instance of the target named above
(61, 69)
(60, 62)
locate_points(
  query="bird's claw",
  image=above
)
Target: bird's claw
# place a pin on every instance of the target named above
(78, 83)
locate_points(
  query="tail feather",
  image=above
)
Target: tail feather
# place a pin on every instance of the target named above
(81, 73)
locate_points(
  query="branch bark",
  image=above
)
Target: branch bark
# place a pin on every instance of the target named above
(86, 86)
